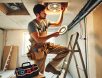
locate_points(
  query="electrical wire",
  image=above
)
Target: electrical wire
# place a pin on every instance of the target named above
(81, 30)
(81, 33)
(85, 43)
(90, 5)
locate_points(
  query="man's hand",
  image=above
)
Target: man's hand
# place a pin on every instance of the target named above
(63, 8)
(56, 34)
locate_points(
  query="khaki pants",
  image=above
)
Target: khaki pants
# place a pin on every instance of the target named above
(61, 52)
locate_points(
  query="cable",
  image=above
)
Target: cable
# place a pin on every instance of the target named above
(90, 5)
(81, 30)
(85, 43)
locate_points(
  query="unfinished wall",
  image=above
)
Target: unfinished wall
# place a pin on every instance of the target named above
(94, 44)
(97, 18)
(91, 47)
(62, 39)
(94, 33)
(12, 62)
(1, 45)
(15, 37)
(81, 41)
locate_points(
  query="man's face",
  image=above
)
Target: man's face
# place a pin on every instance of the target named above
(42, 14)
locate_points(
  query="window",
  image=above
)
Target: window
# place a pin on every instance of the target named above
(26, 43)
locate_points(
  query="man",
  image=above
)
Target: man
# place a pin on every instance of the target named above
(38, 32)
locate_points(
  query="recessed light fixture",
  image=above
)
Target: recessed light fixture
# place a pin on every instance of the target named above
(54, 7)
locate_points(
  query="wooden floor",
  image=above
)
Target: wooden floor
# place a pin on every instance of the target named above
(50, 75)
(47, 75)
(40, 76)
(6, 74)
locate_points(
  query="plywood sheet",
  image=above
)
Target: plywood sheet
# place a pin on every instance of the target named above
(14, 57)
(5, 54)
(97, 15)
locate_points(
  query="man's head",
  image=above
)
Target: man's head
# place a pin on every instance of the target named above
(39, 9)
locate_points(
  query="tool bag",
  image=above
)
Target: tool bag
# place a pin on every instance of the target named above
(27, 71)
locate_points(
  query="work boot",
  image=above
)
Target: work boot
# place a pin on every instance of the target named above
(50, 68)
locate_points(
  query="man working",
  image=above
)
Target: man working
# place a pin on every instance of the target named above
(38, 32)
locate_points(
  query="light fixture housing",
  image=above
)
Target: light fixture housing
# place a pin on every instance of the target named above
(55, 6)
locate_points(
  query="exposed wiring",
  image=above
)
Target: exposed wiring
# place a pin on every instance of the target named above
(90, 5)
(85, 42)
(81, 34)
(81, 30)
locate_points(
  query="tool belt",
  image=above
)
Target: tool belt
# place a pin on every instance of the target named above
(38, 51)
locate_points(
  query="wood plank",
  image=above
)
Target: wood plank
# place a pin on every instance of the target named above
(5, 54)
(14, 58)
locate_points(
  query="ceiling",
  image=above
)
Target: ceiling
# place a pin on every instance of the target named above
(21, 21)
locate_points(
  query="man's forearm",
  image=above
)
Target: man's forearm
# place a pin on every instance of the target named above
(41, 39)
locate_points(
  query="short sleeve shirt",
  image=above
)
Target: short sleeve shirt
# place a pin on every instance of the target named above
(35, 26)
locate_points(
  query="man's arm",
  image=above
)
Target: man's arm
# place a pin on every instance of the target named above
(58, 23)
(39, 39)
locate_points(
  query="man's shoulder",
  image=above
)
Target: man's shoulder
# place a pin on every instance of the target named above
(31, 22)
(31, 27)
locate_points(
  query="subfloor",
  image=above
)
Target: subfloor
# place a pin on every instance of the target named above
(10, 73)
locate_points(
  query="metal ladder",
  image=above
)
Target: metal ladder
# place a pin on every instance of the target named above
(72, 50)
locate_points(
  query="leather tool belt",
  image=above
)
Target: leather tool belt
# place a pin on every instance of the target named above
(38, 51)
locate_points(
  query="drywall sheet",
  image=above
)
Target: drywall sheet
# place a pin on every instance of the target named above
(13, 59)
(5, 54)
(97, 15)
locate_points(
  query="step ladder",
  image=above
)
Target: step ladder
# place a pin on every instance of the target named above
(8, 59)
(72, 51)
